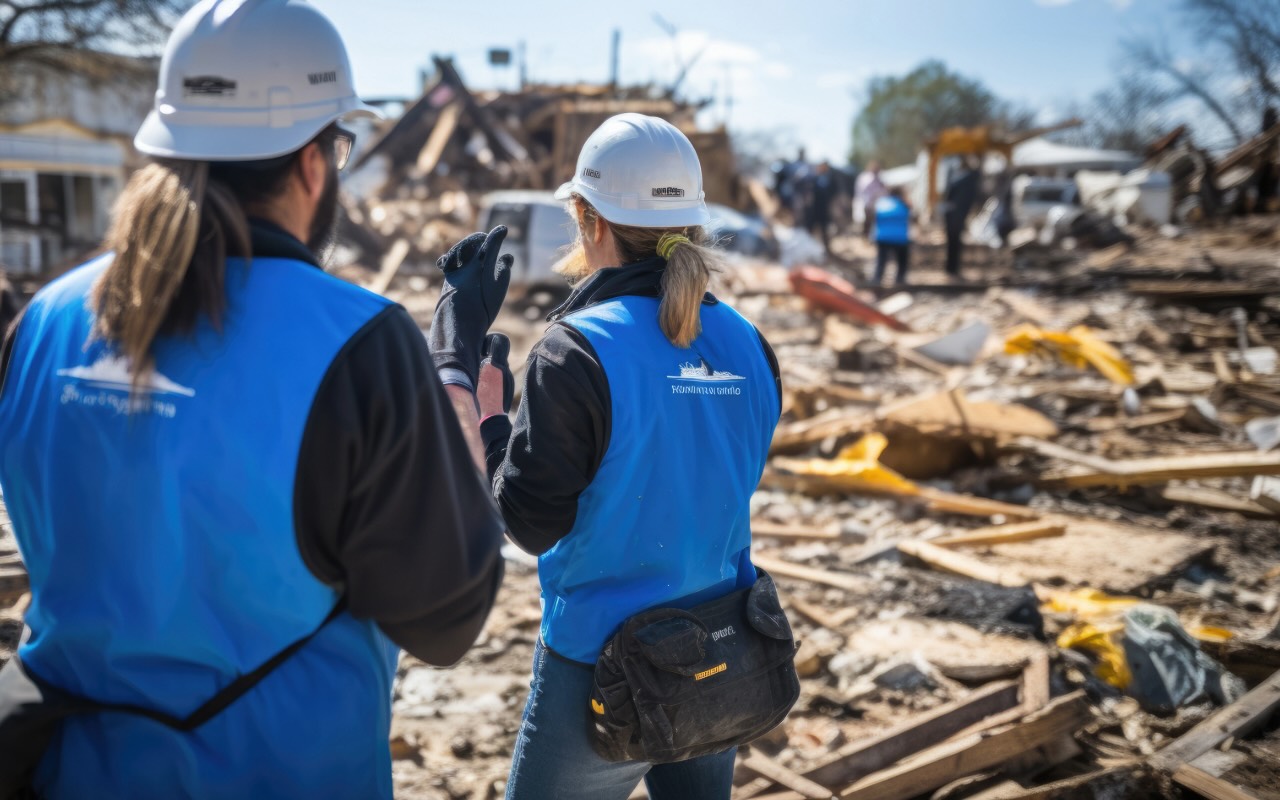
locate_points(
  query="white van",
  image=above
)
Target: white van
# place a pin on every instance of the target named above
(538, 230)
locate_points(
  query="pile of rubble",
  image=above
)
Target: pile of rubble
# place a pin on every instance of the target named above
(1025, 526)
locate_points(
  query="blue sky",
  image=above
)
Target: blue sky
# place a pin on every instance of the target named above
(793, 68)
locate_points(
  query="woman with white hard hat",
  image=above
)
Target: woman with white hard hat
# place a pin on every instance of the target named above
(646, 417)
(236, 482)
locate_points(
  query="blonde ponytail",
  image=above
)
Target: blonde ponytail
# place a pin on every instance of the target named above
(169, 236)
(684, 282)
(690, 265)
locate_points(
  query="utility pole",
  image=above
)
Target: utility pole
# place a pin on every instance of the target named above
(524, 67)
(613, 69)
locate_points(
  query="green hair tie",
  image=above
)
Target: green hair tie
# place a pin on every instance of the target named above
(668, 243)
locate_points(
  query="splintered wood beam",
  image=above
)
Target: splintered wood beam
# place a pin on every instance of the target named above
(778, 567)
(943, 763)
(1253, 709)
(1210, 786)
(961, 564)
(762, 765)
(761, 527)
(1003, 534)
(1092, 470)
(865, 756)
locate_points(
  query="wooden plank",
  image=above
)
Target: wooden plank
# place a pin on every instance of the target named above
(778, 567)
(1214, 498)
(390, 265)
(1254, 708)
(834, 423)
(961, 564)
(833, 621)
(954, 414)
(760, 527)
(764, 766)
(865, 756)
(971, 505)
(445, 125)
(943, 763)
(1097, 471)
(1003, 534)
(1062, 788)
(1201, 782)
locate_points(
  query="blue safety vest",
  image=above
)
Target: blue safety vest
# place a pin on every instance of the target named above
(666, 519)
(157, 528)
(893, 220)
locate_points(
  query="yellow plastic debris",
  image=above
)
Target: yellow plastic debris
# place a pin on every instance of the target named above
(857, 467)
(1209, 633)
(1103, 640)
(1098, 629)
(1078, 347)
(1090, 604)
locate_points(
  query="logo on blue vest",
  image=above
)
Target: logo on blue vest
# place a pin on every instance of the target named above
(702, 373)
(108, 383)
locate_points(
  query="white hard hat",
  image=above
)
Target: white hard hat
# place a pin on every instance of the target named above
(245, 80)
(640, 171)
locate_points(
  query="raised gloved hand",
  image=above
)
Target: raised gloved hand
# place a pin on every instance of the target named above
(475, 284)
(497, 384)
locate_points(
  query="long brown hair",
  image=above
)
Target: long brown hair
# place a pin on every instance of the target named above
(690, 266)
(174, 226)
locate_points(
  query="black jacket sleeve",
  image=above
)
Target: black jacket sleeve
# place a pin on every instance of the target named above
(8, 335)
(561, 433)
(388, 503)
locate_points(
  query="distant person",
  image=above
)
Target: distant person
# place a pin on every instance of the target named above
(893, 235)
(961, 194)
(821, 193)
(9, 303)
(866, 191)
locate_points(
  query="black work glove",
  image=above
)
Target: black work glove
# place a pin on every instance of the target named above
(497, 351)
(475, 284)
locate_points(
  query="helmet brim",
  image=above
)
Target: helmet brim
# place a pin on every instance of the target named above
(683, 214)
(162, 137)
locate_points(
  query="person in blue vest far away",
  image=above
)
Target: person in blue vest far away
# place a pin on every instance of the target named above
(237, 483)
(893, 235)
(646, 417)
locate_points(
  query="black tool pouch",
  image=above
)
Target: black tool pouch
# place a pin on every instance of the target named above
(31, 709)
(673, 684)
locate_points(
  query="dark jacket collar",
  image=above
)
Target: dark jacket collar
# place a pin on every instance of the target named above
(269, 240)
(641, 279)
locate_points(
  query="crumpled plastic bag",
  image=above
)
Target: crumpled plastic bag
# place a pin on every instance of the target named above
(1143, 650)
(1078, 347)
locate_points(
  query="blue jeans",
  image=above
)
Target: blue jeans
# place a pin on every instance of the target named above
(554, 759)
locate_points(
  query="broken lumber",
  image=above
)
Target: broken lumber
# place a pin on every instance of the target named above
(760, 527)
(1067, 787)
(864, 757)
(1003, 534)
(1214, 498)
(1094, 470)
(1210, 786)
(837, 423)
(961, 564)
(777, 566)
(942, 763)
(1251, 710)
(973, 505)
(390, 265)
(832, 621)
(764, 766)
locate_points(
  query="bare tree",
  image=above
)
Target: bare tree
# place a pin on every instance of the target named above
(62, 35)
(1248, 32)
(1156, 58)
